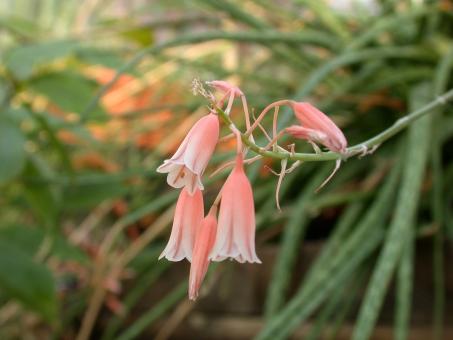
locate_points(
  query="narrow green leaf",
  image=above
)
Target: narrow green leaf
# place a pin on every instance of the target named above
(300, 307)
(333, 245)
(292, 237)
(348, 58)
(142, 284)
(335, 23)
(443, 73)
(237, 13)
(386, 23)
(149, 317)
(404, 289)
(403, 220)
(320, 74)
(345, 309)
(327, 311)
(337, 268)
(140, 35)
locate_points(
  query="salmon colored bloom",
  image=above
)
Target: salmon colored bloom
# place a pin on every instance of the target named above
(188, 216)
(190, 160)
(236, 228)
(231, 92)
(204, 242)
(316, 127)
(225, 87)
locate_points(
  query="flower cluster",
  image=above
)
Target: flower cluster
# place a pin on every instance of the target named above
(228, 230)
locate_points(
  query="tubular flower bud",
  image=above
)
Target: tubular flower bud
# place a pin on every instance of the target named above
(317, 127)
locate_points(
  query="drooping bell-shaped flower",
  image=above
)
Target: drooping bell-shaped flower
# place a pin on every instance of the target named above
(190, 160)
(236, 227)
(316, 127)
(204, 241)
(188, 216)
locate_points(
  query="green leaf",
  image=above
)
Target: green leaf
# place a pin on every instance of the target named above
(404, 287)
(300, 307)
(166, 303)
(12, 153)
(141, 36)
(292, 237)
(16, 115)
(55, 143)
(22, 237)
(38, 193)
(20, 26)
(134, 295)
(28, 282)
(63, 250)
(86, 195)
(339, 265)
(403, 220)
(3, 91)
(96, 56)
(29, 239)
(70, 91)
(23, 59)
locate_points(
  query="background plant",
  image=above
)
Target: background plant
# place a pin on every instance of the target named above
(84, 215)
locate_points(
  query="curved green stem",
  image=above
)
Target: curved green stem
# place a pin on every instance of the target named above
(357, 149)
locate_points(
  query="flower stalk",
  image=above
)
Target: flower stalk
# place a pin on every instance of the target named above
(228, 230)
(359, 149)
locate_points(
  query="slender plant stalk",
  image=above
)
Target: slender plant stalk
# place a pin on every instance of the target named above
(346, 307)
(357, 149)
(403, 220)
(102, 270)
(440, 83)
(386, 24)
(405, 277)
(332, 246)
(142, 285)
(300, 307)
(164, 305)
(292, 236)
(313, 292)
(329, 308)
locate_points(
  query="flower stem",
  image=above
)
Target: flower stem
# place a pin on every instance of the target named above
(357, 149)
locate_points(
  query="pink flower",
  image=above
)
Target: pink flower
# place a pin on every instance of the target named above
(204, 241)
(188, 216)
(225, 87)
(236, 230)
(190, 160)
(317, 127)
(231, 92)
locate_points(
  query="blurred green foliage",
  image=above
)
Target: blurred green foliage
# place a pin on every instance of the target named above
(94, 94)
